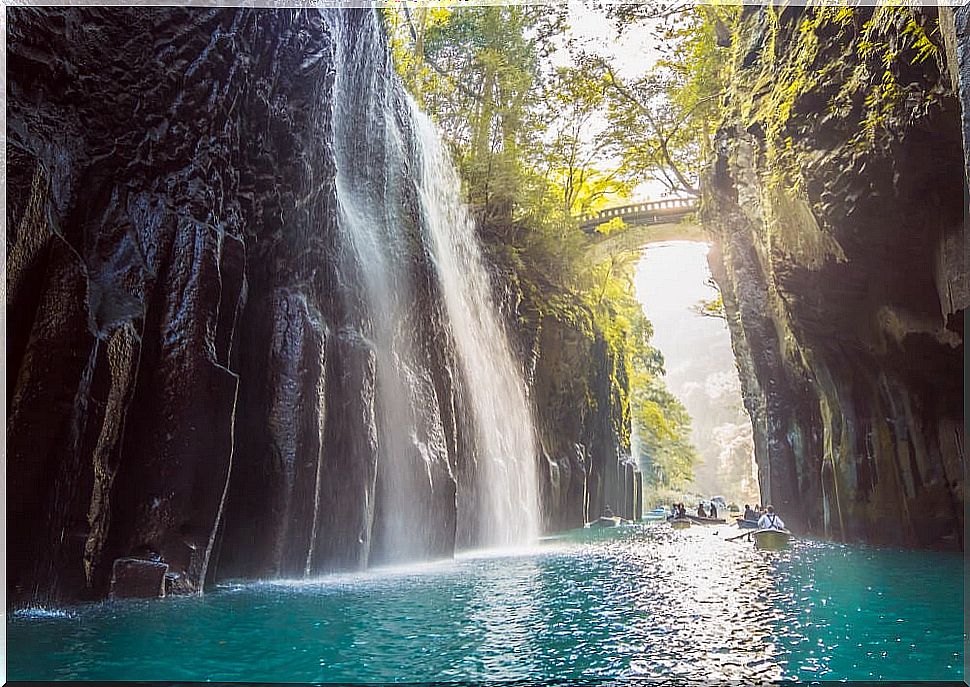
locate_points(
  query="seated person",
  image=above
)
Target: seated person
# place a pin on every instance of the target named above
(700, 510)
(770, 521)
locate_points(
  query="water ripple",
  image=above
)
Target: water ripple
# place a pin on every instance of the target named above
(636, 602)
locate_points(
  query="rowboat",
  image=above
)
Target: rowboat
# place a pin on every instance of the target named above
(656, 514)
(771, 538)
(706, 521)
(605, 521)
(680, 523)
(747, 524)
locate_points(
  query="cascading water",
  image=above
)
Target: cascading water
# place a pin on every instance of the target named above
(505, 439)
(383, 245)
(368, 154)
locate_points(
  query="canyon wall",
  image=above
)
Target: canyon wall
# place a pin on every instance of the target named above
(837, 205)
(583, 419)
(195, 339)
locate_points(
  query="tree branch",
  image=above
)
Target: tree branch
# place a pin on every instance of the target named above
(662, 136)
(431, 63)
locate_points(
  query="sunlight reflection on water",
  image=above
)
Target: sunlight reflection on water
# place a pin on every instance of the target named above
(641, 601)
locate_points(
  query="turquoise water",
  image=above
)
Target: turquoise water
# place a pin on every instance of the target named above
(638, 601)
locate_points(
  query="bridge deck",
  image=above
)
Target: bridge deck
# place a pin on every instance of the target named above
(648, 212)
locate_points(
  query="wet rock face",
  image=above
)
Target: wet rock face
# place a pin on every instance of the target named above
(187, 379)
(846, 292)
(127, 256)
(578, 385)
(192, 374)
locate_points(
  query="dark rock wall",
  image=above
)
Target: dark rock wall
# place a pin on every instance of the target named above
(126, 276)
(955, 27)
(842, 257)
(190, 378)
(580, 391)
(183, 354)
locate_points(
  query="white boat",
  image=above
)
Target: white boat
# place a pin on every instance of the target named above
(605, 521)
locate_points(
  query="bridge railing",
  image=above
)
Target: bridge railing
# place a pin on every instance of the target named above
(666, 207)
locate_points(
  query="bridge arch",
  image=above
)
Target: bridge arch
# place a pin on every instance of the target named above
(672, 219)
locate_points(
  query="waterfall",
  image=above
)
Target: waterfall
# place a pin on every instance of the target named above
(392, 219)
(504, 428)
(369, 165)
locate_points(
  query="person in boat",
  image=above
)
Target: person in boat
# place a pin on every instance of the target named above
(770, 520)
(749, 513)
(713, 512)
(700, 511)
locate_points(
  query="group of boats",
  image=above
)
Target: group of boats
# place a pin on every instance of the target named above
(764, 538)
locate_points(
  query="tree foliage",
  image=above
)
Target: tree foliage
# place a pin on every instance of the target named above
(539, 144)
(662, 123)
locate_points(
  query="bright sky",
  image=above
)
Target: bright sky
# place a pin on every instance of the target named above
(632, 54)
(670, 281)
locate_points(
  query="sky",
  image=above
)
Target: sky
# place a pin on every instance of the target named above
(633, 53)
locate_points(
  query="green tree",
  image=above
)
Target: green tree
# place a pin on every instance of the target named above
(537, 146)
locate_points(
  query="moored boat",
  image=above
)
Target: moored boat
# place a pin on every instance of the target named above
(680, 523)
(656, 514)
(605, 521)
(706, 521)
(771, 538)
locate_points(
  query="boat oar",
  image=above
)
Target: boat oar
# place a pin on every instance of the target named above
(749, 533)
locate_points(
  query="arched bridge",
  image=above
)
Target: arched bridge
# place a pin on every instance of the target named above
(649, 222)
(647, 212)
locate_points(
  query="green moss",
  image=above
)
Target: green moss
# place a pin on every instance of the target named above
(862, 65)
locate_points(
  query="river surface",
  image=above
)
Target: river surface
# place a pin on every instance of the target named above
(637, 601)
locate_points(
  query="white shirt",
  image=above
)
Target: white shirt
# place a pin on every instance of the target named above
(771, 521)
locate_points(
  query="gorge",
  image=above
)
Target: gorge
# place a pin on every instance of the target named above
(253, 331)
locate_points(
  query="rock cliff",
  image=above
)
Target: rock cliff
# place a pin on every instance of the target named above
(837, 205)
(193, 343)
(583, 422)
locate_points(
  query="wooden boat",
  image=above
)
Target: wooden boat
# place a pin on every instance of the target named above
(680, 523)
(747, 524)
(771, 538)
(656, 514)
(706, 521)
(605, 521)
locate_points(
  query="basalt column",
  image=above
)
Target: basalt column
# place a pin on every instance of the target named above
(838, 212)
